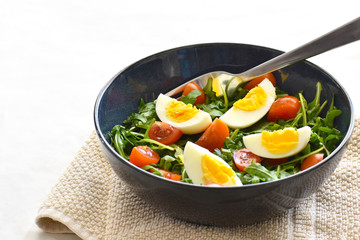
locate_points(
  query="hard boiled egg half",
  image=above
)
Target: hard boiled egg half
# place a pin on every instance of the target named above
(250, 109)
(185, 117)
(206, 168)
(278, 144)
(219, 83)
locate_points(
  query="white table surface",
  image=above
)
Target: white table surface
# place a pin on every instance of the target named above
(55, 56)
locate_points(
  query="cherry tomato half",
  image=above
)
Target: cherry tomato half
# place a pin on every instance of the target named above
(193, 86)
(164, 133)
(243, 158)
(214, 136)
(312, 160)
(284, 108)
(143, 155)
(169, 175)
(254, 82)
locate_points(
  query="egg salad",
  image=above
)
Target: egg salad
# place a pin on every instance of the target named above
(207, 138)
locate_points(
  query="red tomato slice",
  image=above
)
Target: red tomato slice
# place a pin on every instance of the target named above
(168, 174)
(143, 155)
(214, 136)
(312, 160)
(164, 133)
(193, 86)
(253, 83)
(283, 108)
(243, 158)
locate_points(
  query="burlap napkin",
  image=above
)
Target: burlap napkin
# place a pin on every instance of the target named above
(91, 201)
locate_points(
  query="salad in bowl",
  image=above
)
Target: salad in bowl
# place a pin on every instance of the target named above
(205, 137)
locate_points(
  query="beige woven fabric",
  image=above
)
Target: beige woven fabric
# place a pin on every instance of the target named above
(91, 201)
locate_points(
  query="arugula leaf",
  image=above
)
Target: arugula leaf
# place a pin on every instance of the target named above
(214, 109)
(122, 139)
(155, 170)
(213, 105)
(191, 97)
(166, 162)
(323, 128)
(210, 95)
(144, 117)
(303, 108)
(314, 106)
(280, 93)
(247, 178)
(234, 142)
(331, 115)
(157, 145)
(256, 169)
(288, 170)
(185, 177)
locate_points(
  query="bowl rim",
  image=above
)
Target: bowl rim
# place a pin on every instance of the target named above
(102, 138)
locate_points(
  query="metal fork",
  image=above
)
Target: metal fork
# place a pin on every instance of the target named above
(343, 35)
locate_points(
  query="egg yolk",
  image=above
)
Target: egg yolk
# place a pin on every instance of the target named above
(216, 86)
(216, 171)
(220, 82)
(179, 112)
(254, 99)
(280, 141)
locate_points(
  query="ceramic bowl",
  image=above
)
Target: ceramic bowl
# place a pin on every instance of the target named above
(246, 204)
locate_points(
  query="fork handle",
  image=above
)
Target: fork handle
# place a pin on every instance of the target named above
(345, 34)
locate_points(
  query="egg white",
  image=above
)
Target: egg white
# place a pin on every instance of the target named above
(196, 124)
(237, 118)
(193, 154)
(253, 143)
(219, 83)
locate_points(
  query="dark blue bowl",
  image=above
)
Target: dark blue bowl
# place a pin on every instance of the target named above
(164, 71)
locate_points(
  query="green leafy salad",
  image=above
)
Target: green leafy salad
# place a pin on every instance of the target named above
(206, 137)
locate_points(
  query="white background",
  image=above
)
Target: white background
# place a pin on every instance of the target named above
(55, 56)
